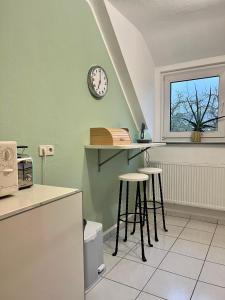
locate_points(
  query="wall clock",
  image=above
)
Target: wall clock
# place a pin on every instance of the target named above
(97, 82)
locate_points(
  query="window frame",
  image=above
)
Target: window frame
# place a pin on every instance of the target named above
(190, 74)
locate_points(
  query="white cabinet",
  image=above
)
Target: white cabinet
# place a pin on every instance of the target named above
(41, 251)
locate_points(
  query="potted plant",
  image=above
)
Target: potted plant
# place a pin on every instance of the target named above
(197, 121)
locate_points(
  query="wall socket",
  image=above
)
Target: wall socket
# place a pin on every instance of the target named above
(47, 150)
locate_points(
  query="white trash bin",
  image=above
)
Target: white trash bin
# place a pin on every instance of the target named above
(93, 253)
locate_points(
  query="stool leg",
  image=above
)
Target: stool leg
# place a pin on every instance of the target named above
(144, 215)
(146, 211)
(154, 208)
(141, 227)
(162, 205)
(118, 218)
(126, 223)
(135, 212)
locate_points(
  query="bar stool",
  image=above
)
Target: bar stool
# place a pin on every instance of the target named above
(133, 177)
(151, 172)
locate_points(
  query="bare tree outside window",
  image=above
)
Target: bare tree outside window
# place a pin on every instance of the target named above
(196, 95)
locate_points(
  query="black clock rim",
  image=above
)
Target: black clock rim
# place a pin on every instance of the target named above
(89, 83)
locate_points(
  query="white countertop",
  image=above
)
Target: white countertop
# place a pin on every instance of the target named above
(29, 198)
(129, 146)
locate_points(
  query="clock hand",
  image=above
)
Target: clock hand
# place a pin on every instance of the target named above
(100, 79)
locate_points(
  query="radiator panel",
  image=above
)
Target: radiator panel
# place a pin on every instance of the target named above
(200, 185)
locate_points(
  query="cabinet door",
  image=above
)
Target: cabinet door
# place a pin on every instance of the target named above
(41, 253)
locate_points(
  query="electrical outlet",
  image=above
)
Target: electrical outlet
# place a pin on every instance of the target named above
(46, 150)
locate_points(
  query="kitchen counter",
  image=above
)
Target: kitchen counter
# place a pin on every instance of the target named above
(32, 197)
(41, 251)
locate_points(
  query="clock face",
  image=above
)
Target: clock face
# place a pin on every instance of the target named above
(97, 82)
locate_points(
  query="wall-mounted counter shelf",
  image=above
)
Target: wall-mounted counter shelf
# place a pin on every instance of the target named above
(121, 148)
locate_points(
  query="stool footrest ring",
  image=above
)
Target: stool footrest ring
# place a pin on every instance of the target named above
(131, 222)
(150, 201)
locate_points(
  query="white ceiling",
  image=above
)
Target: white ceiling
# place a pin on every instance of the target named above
(178, 30)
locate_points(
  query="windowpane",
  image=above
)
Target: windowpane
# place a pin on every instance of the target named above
(191, 99)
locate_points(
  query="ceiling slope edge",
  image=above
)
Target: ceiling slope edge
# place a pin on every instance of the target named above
(110, 40)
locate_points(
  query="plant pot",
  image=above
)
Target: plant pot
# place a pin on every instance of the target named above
(196, 137)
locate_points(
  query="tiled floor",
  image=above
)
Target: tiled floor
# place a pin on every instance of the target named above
(188, 263)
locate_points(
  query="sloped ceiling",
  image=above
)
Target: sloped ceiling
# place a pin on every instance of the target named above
(178, 30)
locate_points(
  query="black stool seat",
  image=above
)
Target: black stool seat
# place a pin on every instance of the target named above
(133, 177)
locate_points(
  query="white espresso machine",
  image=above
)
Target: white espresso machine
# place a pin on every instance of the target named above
(8, 168)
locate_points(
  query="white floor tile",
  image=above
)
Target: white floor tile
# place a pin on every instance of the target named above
(173, 230)
(213, 273)
(165, 242)
(145, 296)
(177, 214)
(219, 239)
(170, 286)
(189, 248)
(205, 291)
(196, 236)
(200, 225)
(123, 247)
(107, 289)
(136, 237)
(93, 285)
(131, 273)
(110, 261)
(182, 265)
(153, 255)
(216, 255)
(220, 229)
(177, 221)
(212, 220)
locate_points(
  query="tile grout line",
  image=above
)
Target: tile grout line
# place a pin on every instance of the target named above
(142, 290)
(183, 240)
(103, 277)
(203, 264)
(157, 268)
(86, 292)
(213, 284)
(105, 273)
(195, 241)
(131, 287)
(218, 247)
(169, 250)
(121, 258)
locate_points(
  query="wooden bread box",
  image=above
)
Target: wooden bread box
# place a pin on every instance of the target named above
(109, 136)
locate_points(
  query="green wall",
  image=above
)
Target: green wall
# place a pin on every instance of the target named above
(46, 49)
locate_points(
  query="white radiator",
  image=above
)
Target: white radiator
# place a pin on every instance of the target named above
(193, 184)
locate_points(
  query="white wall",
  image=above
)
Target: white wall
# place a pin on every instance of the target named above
(138, 60)
(210, 154)
(109, 38)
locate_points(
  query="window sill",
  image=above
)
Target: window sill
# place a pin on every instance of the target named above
(195, 144)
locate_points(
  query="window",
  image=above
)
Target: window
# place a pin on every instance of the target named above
(191, 95)
(194, 94)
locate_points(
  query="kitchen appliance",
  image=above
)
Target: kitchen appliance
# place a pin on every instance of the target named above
(8, 168)
(25, 169)
(25, 172)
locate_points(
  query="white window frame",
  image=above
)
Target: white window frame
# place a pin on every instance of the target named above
(189, 74)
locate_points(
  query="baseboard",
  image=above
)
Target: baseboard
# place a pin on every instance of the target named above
(112, 230)
(203, 214)
(185, 211)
